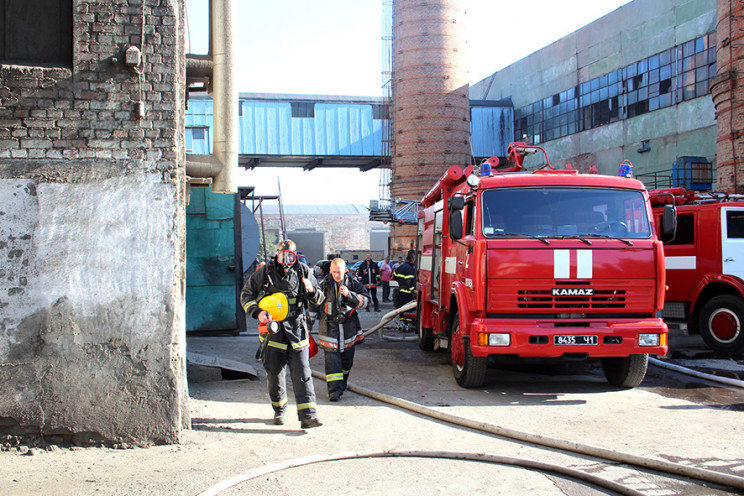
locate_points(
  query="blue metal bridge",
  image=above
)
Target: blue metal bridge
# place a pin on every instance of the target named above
(311, 131)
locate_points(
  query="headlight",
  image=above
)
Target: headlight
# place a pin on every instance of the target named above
(648, 340)
(487, 339)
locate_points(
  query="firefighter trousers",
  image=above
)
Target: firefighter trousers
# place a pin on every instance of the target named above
(275, 363)
(337, 368)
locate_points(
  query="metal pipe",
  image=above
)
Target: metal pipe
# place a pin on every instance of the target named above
(225, 95)
(221, 64)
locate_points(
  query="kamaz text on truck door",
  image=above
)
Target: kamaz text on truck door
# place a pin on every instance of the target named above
(548, 264)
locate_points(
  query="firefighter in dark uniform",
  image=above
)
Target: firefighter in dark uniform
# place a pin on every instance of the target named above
(368, 274)
(405, 276)
(289, 341)
(339, 328)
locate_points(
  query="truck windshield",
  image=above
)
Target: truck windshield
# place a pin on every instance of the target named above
(564, 211)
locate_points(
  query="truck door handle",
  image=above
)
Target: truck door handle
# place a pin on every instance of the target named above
(729, 259)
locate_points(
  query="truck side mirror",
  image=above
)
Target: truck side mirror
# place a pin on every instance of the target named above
(455, 203)
(455, 224)
(669, 220)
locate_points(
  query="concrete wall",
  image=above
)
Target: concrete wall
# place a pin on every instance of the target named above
(633, 32)
(92, 234)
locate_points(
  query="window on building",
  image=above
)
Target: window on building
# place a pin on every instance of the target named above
(380, 111)
(36, 32)
(197, 140)
(672, 76)
(303, 109)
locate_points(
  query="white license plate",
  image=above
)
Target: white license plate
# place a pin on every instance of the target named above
(575, 340)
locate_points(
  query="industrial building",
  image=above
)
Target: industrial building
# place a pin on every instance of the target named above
(633, 85)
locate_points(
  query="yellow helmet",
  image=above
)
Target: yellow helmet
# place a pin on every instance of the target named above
(276, 304)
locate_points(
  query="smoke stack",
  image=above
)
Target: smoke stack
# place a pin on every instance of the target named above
(430, 103)
(727, 88)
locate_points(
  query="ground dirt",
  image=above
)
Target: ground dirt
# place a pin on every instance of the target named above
(668, 417)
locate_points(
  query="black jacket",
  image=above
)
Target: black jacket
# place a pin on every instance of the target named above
(405, 275)
(368, 273)
(339, 327)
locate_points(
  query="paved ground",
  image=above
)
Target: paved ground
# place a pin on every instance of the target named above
(668, 418)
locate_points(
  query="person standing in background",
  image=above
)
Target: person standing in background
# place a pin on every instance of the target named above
(369, 275)
(386, 275)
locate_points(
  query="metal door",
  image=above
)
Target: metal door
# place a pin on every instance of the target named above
(436, 256)
(732, 241)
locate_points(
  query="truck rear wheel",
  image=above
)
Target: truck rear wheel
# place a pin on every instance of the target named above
(469, 371)
(720, 324)
(625, 372)
(425, 335)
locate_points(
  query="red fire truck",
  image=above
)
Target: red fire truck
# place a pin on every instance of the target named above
(705, 265)
(547, 264)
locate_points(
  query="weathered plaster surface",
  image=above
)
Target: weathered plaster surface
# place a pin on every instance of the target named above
(89, 297)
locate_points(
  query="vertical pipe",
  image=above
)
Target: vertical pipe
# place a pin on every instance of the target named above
(225, 94)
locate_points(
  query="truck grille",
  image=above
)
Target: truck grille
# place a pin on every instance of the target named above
(542, 299)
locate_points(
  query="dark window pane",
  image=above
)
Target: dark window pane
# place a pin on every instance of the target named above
(685, 234)
(734, 224)
(36, 31)
(701, 88)
(665, 86)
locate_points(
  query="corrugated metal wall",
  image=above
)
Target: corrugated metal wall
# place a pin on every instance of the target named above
(268, 128)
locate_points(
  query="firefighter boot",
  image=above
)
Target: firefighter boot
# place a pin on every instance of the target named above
(278, 418)
(310, 422)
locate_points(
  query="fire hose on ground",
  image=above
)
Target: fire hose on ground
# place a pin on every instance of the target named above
(693, 473)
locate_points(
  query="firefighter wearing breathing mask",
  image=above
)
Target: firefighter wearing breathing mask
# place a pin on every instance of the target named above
(339, 328)
(287, 341)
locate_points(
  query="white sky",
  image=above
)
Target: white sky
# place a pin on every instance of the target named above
(334, 47)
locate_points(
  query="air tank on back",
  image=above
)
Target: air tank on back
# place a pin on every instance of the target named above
(430, 108)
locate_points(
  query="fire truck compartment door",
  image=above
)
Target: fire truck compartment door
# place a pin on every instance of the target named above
(732, 241)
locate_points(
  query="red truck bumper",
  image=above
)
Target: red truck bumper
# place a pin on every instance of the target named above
(554, 338)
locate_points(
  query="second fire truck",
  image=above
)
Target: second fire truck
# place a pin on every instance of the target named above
(705, 265)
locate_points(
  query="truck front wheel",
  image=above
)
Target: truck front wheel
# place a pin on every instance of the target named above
(625, 372)
(425, 335)
(469, 371)
(720, 324)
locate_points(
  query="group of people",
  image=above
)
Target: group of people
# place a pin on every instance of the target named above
(285, 337)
